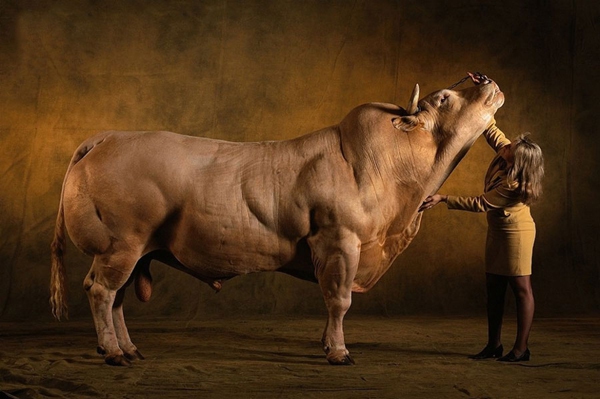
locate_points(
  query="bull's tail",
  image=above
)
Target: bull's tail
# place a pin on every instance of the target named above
(58, 288)
(58, 285)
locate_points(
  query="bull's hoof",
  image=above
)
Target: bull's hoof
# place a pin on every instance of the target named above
(341, 360)
(135, 355)
(100, 350)
(117, 360)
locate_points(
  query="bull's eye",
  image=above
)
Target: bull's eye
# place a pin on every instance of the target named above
(443, 99)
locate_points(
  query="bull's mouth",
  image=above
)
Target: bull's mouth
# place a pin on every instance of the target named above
(496, 97)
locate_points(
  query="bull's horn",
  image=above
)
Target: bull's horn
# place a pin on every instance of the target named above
(414, 99)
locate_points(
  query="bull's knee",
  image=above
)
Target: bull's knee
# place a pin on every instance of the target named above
(338, 305)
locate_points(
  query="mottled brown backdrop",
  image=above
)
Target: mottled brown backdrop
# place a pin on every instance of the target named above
(248, 70)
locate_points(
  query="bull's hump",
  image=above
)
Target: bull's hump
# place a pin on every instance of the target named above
(371, 117)
(368, 111)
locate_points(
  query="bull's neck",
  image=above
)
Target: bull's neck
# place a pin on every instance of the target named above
(448, 155)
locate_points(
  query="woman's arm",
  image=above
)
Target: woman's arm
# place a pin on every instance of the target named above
(471, 204)
(498, 198)
(501, 197)
(495, 137)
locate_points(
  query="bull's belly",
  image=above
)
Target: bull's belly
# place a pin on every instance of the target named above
(217, 256)
(225, 255)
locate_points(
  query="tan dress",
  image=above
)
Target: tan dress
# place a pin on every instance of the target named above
(511, 229)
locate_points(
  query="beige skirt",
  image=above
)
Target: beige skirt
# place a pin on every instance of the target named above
(509, 249)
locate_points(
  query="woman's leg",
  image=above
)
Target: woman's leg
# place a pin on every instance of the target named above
(521, 287)
(496, 291)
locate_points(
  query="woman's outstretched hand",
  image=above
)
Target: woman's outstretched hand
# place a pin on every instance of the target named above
(432, 201)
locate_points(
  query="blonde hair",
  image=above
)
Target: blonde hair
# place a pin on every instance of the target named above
(527, 169)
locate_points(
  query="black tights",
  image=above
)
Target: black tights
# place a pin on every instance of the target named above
(496, 290)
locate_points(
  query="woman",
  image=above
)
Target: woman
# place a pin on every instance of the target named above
(512, 184)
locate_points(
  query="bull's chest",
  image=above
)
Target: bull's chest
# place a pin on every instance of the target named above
(378, 256)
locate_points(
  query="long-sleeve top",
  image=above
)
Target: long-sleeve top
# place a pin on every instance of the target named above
(500, 195)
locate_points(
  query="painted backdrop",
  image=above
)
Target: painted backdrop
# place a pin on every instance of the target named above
(248, 70)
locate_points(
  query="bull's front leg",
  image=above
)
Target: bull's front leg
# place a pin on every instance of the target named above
(335, 255)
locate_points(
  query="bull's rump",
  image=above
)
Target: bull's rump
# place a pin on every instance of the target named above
(220, 208)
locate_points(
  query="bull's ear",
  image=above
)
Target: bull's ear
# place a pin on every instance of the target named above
(406, 123)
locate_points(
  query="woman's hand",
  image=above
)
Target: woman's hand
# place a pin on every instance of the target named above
(479, 78)
(432, 201)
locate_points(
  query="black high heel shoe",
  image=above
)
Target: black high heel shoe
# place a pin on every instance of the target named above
(488, 352)
(512, 358)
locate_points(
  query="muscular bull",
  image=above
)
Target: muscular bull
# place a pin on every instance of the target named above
(335, 206)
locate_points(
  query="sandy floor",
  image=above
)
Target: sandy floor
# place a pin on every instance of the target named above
(281, 358)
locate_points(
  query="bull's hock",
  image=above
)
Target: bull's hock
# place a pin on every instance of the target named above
(335, 206)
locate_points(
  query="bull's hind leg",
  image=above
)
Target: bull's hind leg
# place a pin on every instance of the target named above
(129, 349)
(107, 276)
(336, 260)
(142, 278)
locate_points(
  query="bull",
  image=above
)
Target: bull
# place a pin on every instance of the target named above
(335, 206)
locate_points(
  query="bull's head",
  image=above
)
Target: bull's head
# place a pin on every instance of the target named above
(422, 144)
(447, 112)
(454, 119)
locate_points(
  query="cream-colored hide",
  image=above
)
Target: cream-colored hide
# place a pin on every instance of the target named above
(335, 206)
